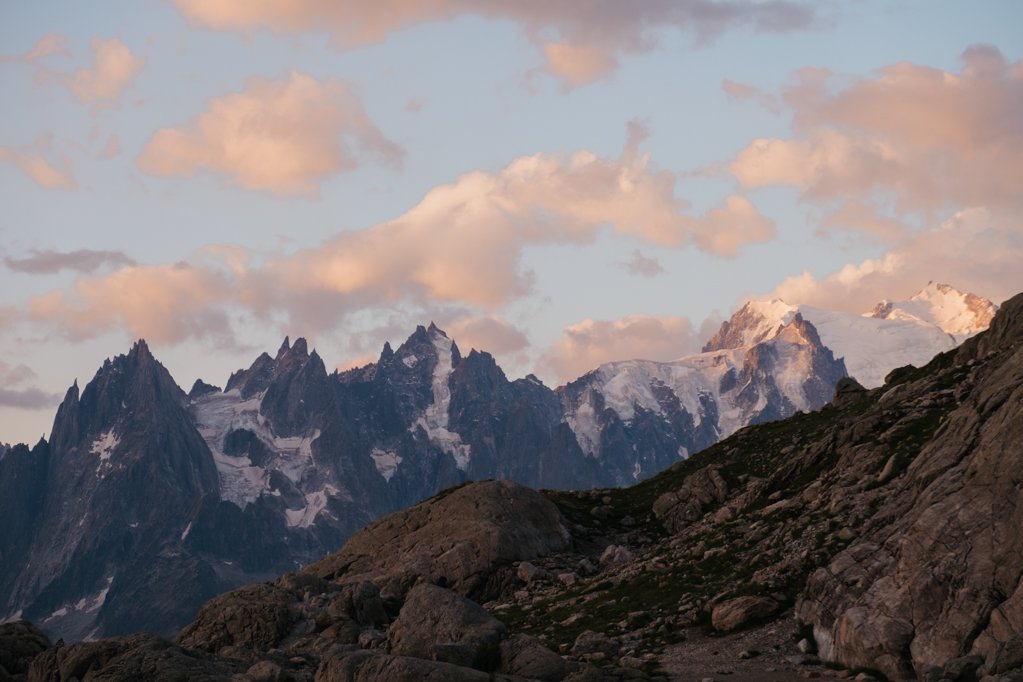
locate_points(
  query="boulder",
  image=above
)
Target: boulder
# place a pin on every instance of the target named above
(254, 618)
(589, 642)
(434, 616)
(374, 666)
(127, 659)
(527, 657)
(20, 642)
(458, 538)
(741, 612)
(678, 508)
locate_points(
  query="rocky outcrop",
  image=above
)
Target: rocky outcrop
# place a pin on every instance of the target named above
(435, 623)
(20, 643)
(677, 508)
(940, 576)
(459, 539)
(127, 659)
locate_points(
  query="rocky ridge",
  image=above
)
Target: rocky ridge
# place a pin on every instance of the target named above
(879, 533)
(144, 489)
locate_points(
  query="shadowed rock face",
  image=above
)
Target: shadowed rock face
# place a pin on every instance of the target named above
(941, 578)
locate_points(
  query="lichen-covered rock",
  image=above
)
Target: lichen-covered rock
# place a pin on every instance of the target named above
(742, 611)
(433, 615)
(254, 618)
(458, 538)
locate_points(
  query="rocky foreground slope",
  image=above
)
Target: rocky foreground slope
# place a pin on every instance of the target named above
(886, 530)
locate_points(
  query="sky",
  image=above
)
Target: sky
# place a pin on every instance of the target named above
(558, 182)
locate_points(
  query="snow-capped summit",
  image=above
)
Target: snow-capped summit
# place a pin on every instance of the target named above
(894, 334)
(960, 314)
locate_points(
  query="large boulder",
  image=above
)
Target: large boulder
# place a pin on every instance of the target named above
(435, 623)
(527, 657)
(253, 618)
(741, 612)
(458, 538)
(20, 642)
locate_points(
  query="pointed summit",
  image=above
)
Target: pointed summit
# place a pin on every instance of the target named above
(300, 347)
(434, 329)
(140, 351)
(285, 347)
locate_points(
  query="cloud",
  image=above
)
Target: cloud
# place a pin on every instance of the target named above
(588, 344)
(740, 92)
(858, 216)
(114, 69)
(49, 262)
(460, 247)
(976, 250)
(463, 242)
(916, 138)
(641, 265)
(39, 169)
(26, 397)
(491, 334)
(579, 42)
(112, 148)
(49, 44)
(162, 303)
(282, 136)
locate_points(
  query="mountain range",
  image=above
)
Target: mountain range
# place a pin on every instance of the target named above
(876, 538)
(147, 494)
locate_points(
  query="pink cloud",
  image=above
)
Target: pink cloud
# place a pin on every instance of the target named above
(113, 71)
(976, 250)
(491, 334)
(580, 41)
(163, 303)
(39, 170)
(282, 136)
(461, 247)
(588, 344)
(739, 92)
(50, 44)
(920, 138)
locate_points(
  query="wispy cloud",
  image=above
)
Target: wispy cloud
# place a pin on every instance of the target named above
(39, 170)
(642, 266)
(50, 44)
(579, 41)
(48, 262)
(14, 393)
(282, 136)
